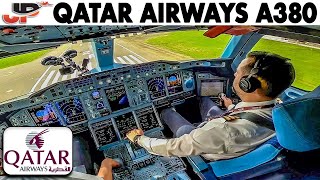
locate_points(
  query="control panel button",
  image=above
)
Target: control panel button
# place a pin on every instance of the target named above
(189, 83)
(100, 105)
(95, 95)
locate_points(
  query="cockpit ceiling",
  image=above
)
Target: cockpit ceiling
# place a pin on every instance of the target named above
(10, 35)
(21, 39)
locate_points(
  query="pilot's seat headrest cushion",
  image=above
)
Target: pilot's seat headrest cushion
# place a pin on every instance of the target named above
(297, 122)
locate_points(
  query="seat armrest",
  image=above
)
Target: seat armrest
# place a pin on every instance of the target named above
(197, 163)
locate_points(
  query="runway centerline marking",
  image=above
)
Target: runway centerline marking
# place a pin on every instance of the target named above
(74, 75)
(56, 78)
(136, 59)
(132, 52)
(64, 77)
(45, 83)
(121, 60)
(36, 84)
(129, 60)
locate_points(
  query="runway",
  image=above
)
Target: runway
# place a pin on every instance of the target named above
(52, 75)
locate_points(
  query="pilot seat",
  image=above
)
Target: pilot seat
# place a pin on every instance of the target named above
(293, 153)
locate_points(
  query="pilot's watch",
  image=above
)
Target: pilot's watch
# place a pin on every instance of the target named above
(136, 138)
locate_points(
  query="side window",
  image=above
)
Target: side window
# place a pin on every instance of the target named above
(305, 58)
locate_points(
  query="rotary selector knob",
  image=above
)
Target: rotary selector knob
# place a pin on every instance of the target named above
(189, 83)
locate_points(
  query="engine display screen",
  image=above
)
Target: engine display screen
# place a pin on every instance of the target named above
(174, 83)
(211, 88)
(44, 115)
(125, 123)
(72, 110)
(117, 98)
(156, 88)
(104, 132)
(147, 118)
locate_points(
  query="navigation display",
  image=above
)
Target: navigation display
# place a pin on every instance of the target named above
(147, 118)
(72, 110)
(125, 123)
(156, 88)
(211, 88)
(104, 132)
(117, 98)
(44, 115)
(174, 83)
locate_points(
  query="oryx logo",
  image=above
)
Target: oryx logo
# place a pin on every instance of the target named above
(35, 140)
(37, 151)
(23, 10)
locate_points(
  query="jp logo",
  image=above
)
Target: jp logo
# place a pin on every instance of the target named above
(24, 10)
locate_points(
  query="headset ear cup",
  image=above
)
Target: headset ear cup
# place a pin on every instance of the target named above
(255, 84)
(249, 85)
(244, 84)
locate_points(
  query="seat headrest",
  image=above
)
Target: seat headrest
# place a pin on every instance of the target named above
(297, 122)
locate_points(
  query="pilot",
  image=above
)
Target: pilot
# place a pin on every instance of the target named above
(259, 80)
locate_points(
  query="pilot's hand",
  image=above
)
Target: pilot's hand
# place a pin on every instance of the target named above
(226, 101)
(131, 135)
(105, 170)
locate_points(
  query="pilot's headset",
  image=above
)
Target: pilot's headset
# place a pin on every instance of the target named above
(250, 83)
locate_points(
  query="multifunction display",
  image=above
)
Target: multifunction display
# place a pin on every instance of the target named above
(72, 110)
(147, 118)
(174, 83)
(104, 132)
(125, 123)
(156, 88)
(44, 115)
(117, 98)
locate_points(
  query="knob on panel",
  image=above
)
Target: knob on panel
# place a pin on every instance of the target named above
(189, 83)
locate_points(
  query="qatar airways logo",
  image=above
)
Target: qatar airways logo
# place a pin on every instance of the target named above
(34, 140)
(37, 151)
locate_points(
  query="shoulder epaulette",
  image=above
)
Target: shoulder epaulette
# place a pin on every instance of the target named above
(227, 118)
(230, 118)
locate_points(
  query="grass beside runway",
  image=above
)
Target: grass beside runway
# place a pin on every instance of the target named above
(305, 60)
(22, 59)
(192, 43)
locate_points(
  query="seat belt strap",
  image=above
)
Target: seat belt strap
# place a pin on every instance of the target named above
(256, 119)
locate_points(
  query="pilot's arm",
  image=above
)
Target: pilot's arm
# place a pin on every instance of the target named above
(227, 102)
(105, 170)
(212, 138)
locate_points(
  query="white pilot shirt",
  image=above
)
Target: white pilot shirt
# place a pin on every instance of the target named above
(216, 139)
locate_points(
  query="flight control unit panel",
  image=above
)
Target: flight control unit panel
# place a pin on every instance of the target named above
(108, 104)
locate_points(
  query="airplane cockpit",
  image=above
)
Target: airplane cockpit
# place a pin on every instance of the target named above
(101, 105)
